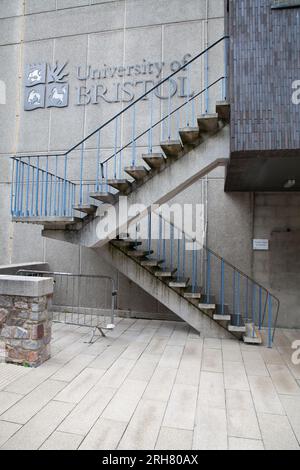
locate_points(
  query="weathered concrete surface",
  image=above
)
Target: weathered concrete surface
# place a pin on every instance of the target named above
(164, 186)
(14, 268)
(25, 286)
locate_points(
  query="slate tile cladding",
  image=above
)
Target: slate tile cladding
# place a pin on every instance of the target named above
(264, 63)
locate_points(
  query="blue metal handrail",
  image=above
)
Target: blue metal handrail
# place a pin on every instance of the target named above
(104, 171)
(224, 284)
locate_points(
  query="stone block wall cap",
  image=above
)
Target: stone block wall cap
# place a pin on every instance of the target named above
(25, 286)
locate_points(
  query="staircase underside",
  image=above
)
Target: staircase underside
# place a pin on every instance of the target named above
(175, 177)
(169, 297)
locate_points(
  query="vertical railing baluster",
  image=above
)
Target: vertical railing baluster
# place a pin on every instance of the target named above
(159, 236)
(73, 198)
(150, 144)
(55, 186)
(238, 299)
(50, 198)
(27, 187)
(193, 112)
(37, 187)
(253, 308)
(22, 188)
(188, 103)
(81, 174)
(106, 176)
(12, 189)
(171, 246)
(98, 162)
(116, 148)
(226, 50)
(260, 309)
(222, 294)
(16, 205)
(194, 267)
(234, 292)
(208, 276)
(42, 192)
(270, 320)
(169, 110)
(133, 154)
(247, 300)
(46, 189)
(183, 256)
(164, 243)
(149, 241)
(101, 177)
(187, 122)
(65, 184)
(58, 197)
(70, 199)
(206, 68)
(32, 191)
(178, 256)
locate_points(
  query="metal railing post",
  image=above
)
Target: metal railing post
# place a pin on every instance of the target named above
(27, 187)
(222, 295)
(133, 156)
(37, 188)
(98, 161)
(65, 184)
(270, 320)
(81, 175)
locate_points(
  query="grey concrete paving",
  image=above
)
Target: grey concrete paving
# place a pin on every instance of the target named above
(153, 385)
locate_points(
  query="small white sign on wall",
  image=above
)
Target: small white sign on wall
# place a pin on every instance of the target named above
(260, 244)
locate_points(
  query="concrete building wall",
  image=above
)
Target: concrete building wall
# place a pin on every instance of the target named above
(117, 32)
(82, 32)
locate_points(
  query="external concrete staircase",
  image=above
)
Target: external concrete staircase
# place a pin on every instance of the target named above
(183, 296)
(71, 199)
(195, 153)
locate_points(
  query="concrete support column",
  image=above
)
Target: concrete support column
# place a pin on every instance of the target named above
(26, 319)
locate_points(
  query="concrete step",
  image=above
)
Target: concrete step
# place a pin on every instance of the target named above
(139, 253)
(50, 223)
(190, 135)
(222, 313)
(106, 197)
(137, 172)
(179, 283)
(154, 160)
(206, 306)
(223, 110)
(165, 273)
(193, 294)
(208, 303)
(122, 185)
(160, 291)
(86, 209)
(237, 324)
(252, 334)
(236, 329)
(220, 317)
(126, 243)
(168, 181)
(152, 262)
(172, 148)
(208, 122)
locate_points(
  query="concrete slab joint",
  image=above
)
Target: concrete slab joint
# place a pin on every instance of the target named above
(25, 319)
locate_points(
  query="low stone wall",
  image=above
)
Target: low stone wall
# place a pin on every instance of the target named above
(26, 319)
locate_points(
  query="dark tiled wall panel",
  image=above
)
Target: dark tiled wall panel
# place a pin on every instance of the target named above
(264, 62)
